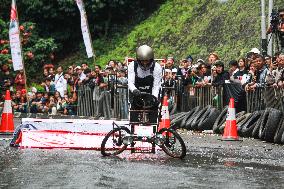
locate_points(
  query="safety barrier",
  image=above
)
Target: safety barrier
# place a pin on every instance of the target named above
(113, 102)
(265, 97)
(193, 96)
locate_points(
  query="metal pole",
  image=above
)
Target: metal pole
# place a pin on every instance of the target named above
(270, 36)
(263, 29)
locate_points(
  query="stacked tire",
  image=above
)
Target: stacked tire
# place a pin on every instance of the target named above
(196, 119)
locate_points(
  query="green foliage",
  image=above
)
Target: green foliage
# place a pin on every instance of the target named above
(36, 50)
(183, 27)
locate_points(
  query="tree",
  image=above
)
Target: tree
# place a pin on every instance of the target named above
(36, 51)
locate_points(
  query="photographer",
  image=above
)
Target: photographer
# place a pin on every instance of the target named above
(277, 26)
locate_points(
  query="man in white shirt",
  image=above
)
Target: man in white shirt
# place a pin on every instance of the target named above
(60, 82)
(144, 75)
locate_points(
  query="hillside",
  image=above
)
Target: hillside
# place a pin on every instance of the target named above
(182, 27)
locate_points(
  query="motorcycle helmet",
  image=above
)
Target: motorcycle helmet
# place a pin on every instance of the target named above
(145, 57)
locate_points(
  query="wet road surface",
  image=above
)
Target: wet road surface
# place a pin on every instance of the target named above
(210, 163)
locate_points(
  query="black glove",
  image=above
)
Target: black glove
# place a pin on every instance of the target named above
(136, 92)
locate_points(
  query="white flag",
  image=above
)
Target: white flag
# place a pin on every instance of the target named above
(14, 37)
(85, 29)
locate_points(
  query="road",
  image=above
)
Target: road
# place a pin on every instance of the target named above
(210, 163)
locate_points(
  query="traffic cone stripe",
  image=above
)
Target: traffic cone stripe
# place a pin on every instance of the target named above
(231, 115)
(7, 106)
(165, 120)
(165, 112)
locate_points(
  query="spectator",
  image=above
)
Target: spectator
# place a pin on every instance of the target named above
(121, 77)
(84, 66)
(221, 75)
(112, 64)
(242, 74)
(88, 77)
(234, 67)
(51, 74)
(71, 107)
(262, 70)
(251, 80)
(184, 70)
(281, 79)
(268, 61)
(170, 63)
(20, 80)
(272, 75)
(60, 82)
(203, 77)
(212, 58)
(45, 73)
(38, 102)
(48, 86)
(81, 74)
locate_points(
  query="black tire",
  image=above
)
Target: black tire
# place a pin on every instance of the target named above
(169, 140)
(175, 115)
(190, 120)
(220, 120)
(256, 128)
(188, 115)
(248, 126)
(240, 120)
(175, 123)
(269, 124)
(279, 133)
(207, 121)
(116, 136)
(197, 118)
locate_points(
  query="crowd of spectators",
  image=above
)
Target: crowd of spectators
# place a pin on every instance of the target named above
(59, 87)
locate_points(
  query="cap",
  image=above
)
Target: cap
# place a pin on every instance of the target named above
(255, 51)
(200, 60)
(168, 70)
(78, 67)
(189, 58)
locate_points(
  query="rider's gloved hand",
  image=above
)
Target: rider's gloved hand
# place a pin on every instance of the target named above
(136, 92)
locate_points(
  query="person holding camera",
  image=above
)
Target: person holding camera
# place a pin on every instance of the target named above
(277, 26)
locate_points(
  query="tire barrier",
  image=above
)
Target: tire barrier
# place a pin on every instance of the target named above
(269, 123)
(279, 132)
(220, 120)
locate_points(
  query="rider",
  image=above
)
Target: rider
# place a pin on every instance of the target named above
(144, 75)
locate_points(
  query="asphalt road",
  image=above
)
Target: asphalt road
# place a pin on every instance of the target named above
(210, 163)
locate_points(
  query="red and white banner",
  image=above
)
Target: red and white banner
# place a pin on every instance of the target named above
(14, 37)
(85, 29)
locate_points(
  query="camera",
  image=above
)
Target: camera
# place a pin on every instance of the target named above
(274, 22)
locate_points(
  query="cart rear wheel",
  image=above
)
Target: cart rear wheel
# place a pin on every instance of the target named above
(172, 143)
(113, 144)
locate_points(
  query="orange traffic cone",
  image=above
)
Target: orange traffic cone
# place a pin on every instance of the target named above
(231, 131)
(165, 120)
(7, 121)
